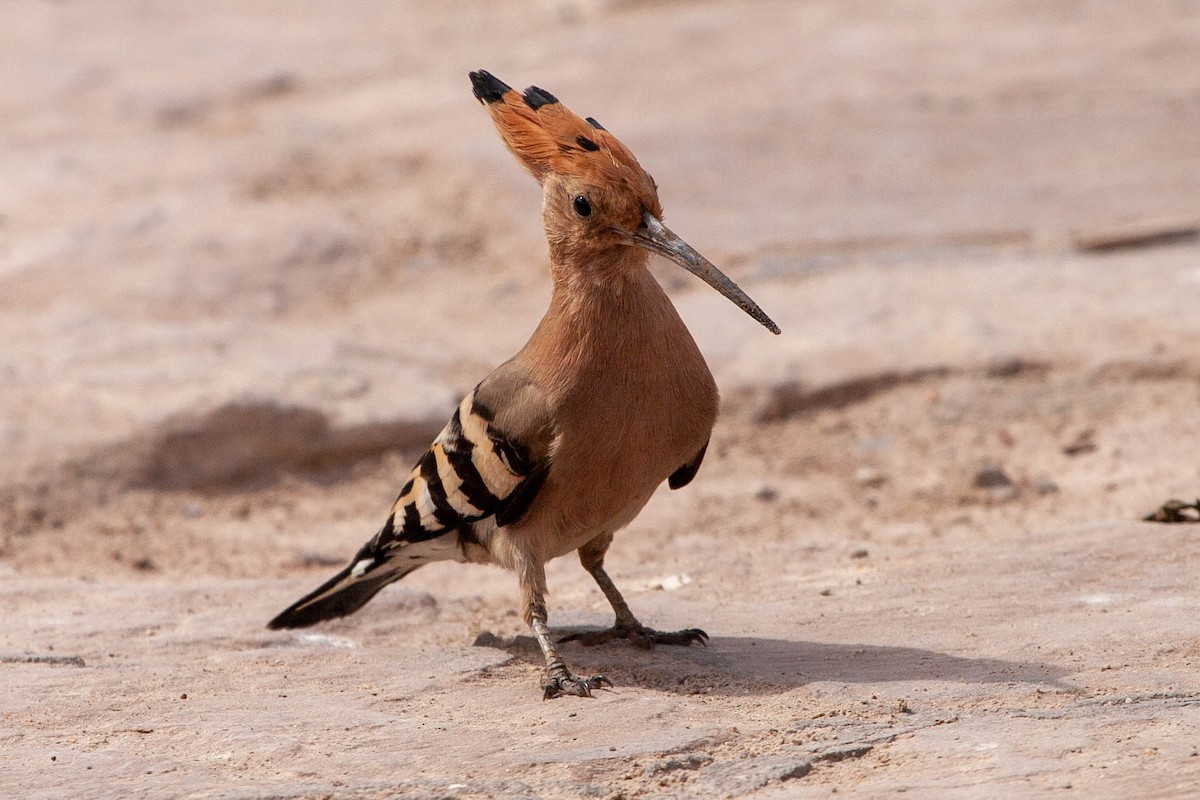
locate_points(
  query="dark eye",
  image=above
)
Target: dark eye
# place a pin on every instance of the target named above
(582, 207)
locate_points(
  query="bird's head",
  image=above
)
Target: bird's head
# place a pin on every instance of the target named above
(597, 199)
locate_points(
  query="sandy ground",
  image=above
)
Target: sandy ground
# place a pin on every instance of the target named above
(251, 254)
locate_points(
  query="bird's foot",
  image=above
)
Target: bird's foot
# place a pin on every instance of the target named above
(560, 681)
(639, 636)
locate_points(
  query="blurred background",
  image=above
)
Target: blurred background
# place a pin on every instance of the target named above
(252, 253)
(245, 241)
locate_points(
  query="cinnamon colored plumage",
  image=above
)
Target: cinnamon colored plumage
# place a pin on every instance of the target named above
(562, 445)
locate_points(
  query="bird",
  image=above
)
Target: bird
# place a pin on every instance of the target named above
(561, 446)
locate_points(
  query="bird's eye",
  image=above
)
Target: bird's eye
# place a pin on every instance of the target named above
(582, 207)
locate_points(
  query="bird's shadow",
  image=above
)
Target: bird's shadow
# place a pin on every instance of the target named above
(738, 665)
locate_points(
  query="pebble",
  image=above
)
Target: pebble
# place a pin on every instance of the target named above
(488, 639)
(992, 478)
(869, 476)
(767, 494)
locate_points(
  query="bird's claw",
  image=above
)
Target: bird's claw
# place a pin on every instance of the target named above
(684, 638)
(564, 682)
(639, 636)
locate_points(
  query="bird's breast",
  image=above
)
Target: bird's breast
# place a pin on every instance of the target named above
(632, 403)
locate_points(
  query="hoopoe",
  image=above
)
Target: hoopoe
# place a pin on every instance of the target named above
(563, 444)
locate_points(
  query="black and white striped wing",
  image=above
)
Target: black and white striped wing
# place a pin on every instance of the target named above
(473, 471)
(476, 469)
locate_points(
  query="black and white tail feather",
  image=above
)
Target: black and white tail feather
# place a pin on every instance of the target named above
(475, 476)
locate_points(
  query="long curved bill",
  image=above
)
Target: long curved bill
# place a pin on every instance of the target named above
(658, 238)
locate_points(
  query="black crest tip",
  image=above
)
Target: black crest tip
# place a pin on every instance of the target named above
(592, 121)
(535, 98)
(486, 87)
(586, 144)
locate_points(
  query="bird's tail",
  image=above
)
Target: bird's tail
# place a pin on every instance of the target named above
(351, 589)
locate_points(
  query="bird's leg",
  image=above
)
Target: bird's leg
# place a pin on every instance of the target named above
(591, 555)
(558, 679)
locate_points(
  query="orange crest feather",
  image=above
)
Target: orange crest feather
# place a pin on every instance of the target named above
(548, 138)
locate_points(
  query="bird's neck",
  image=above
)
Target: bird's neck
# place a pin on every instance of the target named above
(596, 274)
(608, 320)
(606, 300)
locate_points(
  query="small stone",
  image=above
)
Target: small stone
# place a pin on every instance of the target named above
(861, 552)
(767, 494)
(488, 639)
(1175, 511)
(1045, 486)
(869, 476)
(826, 592)
(798, 771)
(1082, 443)
(992, 478)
